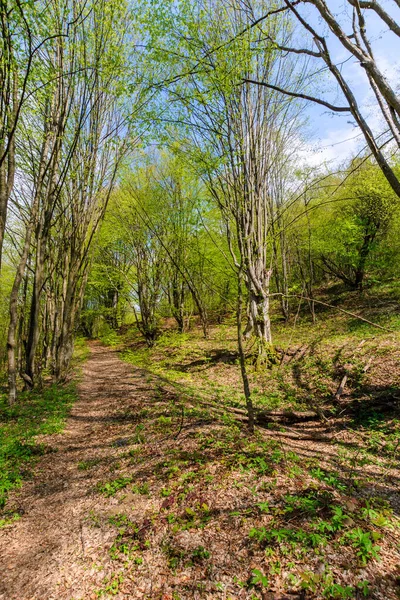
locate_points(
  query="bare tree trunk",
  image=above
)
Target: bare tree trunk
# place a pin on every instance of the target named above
(242, 355)
(259, 321)
(8, 118)
(176, 300)
(11, 340)
(64, 348)
(33, 329)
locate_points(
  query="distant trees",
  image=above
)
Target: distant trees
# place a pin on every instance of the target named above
(147, 256)
(352, 229)
(241, 138)
(157, 246)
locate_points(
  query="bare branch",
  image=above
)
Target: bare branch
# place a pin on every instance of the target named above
(301, 96)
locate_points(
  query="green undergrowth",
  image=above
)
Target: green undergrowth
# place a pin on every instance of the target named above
(35, 413)
(317, 524)
(296, 522)
(330, 344)
(81, 352)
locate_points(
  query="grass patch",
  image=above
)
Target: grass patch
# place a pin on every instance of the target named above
(36, 413)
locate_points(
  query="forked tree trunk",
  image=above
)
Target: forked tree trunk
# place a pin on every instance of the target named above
(259, 322)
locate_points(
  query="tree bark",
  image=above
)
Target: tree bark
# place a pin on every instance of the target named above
(242, 356)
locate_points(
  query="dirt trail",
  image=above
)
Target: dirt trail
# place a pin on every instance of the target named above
(46, 554)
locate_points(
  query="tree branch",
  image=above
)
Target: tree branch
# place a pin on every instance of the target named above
(301, 96)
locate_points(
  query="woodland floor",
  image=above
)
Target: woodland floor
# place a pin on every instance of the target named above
(151, 494)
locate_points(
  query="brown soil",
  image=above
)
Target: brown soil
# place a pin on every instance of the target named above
(60, 548)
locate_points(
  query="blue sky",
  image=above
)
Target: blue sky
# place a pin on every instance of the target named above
(333, 137)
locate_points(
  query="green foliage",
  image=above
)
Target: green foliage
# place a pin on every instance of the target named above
(329, 588)
(335, 590)
(349, 236)
(200, 554)
(111, 585)
(108, 336)
(364, 543)
(9, 520)
(141, 488)
(307, 503)
(278, 536)
(329, 478)
(259, 578)
(86, 465)
(81, 351)
(110, 488)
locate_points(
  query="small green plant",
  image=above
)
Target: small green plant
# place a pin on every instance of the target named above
(380, 518)
(335, 590)
(85, 465)
(138, 435)
(120, 520)
(93, 519)
(141, 488)
(308, 503)
(363, 542)
(336, 522)
(162, 420)
(8, 520)
(286, 535)
(363, 586)
(328, 478)
(200, 553)
(111, 585)
(174, 555)
(110, 488)
(259, 578)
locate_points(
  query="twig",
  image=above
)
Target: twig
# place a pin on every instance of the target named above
(181, 425)
(342, 384)
(82, 541)
(346, 312)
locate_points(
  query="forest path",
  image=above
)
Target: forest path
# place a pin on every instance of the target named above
(167, 520)
(46, 555)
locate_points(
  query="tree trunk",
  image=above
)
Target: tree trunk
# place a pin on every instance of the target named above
(259, 322)
(34, 330)
(242, 356)
(9, 103)
(362, 261)
(11, 339)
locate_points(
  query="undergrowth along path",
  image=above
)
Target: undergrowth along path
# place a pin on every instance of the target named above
(146, 495)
